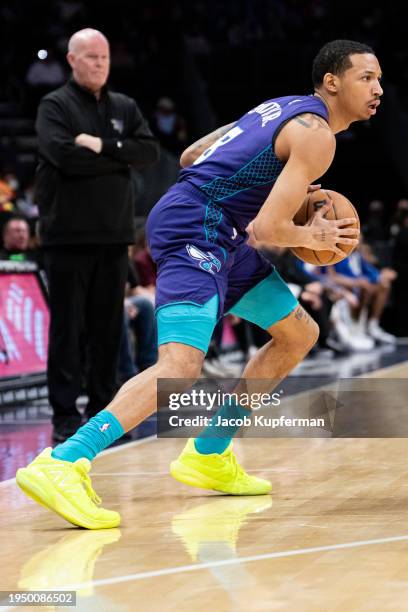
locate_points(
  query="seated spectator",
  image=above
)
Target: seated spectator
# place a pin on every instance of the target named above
(139, 320)
(25, 203)
(400, 293)
(6, 201)
(144, 264)
(375, 229)
(399, 216)
(169, 126)
(16, 241)
(46, 71)
(10, 177)
(44, 74)
(372, 288)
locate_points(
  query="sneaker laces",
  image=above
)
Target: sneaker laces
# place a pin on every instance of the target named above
(239, 472)
(86, 481)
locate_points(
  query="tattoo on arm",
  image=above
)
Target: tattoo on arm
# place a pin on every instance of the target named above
(302, 121)
(313, 122)
(300, 313)
(201, 145)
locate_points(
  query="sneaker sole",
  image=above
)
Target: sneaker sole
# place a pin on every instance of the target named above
(35, 486)
(193, 478)
(190, 477)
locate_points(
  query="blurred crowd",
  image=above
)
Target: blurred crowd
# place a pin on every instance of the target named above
(247, 48)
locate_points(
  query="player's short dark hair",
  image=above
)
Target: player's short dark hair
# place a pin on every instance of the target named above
(334, 57)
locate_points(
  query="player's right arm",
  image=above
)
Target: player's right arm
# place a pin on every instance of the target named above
(309, 152)
(194, 151)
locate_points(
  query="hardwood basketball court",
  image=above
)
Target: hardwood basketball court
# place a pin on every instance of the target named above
(332, 537)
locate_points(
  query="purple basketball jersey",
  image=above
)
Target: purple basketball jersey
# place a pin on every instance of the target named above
(237, 172)
(196, 232)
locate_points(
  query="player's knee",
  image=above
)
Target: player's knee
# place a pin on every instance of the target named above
(311, 335)
(190, 369)
(307, 333)
(181, 361)
(301, 337)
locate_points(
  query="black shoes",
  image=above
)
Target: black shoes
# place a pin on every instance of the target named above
(65, 428)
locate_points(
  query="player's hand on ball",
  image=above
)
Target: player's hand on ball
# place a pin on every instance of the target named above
(89, 142)
(326, 235)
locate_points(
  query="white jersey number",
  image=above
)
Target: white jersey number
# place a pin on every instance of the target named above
(230, 135)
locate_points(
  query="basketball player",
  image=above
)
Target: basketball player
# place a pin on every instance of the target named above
(239, 189)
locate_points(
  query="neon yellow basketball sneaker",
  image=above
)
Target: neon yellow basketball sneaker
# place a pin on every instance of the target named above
(70, 560)
(217, 472)
(66, 488)
(216, 523)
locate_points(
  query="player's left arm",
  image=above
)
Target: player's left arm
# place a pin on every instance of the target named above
(309, 154)
(194, 151)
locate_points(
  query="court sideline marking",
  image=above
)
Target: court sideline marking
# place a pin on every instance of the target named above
(108, 451)
(236, 561)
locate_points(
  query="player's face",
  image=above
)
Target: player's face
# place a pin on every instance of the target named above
(90, 63)
(359, 88)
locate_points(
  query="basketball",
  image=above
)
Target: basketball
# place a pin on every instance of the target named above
(341, 208)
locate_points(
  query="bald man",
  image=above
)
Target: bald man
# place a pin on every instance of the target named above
(89, 138)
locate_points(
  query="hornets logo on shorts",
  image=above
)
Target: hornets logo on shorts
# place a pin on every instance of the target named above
(208, 261)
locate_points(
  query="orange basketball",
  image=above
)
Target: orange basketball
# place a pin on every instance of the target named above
(341, 208)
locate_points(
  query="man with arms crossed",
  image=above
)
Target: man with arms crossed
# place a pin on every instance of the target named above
(89, 137)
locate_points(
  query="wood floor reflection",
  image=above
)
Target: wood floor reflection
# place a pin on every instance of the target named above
(332, 537)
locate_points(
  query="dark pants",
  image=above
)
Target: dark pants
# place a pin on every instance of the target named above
(86, 288)
(126, 367)
(144, 328)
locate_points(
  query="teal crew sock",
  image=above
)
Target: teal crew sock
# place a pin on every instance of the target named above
(90, 439)
(216, 438)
